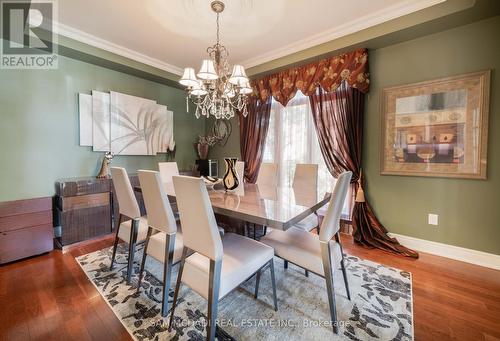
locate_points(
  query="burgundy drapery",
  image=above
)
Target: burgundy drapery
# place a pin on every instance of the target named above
(253, 133)
(328, 73)
(338, 118)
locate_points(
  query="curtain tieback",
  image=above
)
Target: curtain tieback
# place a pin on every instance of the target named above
(360, 193)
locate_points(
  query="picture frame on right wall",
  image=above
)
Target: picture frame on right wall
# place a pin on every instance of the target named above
(437, 128)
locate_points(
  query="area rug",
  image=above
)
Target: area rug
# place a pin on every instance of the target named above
(380, 306)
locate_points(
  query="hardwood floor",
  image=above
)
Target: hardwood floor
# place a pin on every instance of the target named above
(49, 298)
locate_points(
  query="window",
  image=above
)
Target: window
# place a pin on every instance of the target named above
(292, 139)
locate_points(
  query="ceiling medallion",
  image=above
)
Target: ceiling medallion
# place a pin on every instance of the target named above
(213, 90)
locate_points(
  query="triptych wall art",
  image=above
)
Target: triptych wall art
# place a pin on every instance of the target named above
(125, 124)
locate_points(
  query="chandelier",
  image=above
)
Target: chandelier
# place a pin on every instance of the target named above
(213, 90)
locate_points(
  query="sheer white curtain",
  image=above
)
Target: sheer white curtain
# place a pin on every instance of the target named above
(292, 139)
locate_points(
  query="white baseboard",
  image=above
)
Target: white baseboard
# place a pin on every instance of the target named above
(485, 259)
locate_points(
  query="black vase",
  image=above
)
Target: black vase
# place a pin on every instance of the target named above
(230, 179)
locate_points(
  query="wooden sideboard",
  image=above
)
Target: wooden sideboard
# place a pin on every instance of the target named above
(25, 228)
(85, 208)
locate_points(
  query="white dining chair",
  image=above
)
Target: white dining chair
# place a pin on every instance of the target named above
(306, 178)
(268, 175)
(166, 245)
(168, 170)
(134, 230)
(267, 179)
(240, 171)
(218, 265)
(318, 254)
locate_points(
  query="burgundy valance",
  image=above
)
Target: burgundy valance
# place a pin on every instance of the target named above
(328, 73)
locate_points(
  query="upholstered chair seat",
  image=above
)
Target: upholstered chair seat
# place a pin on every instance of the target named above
(241, 259)
(142, 231)
(309, 223)
(156, 247)
(302, 248)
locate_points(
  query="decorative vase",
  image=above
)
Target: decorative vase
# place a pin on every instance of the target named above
(201, 150)
(230, 179)
(104, 172)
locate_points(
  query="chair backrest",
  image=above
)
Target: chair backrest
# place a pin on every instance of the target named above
(306, 176)
(331, 223)
(268, 175)
(127, 203)
(199, 228)
(240, 171)
(158, 209)
(168, 170)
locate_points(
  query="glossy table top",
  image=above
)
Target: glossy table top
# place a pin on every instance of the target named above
(278, 208)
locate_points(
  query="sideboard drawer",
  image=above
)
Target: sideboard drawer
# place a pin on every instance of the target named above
(26, 228)
(25, 242)
(20, 221)
(83, 201)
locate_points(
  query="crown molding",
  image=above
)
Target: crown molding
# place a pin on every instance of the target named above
(359, 24)
(103, 44)
(373, 19)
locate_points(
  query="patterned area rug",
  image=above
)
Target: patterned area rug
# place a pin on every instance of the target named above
(380, 306)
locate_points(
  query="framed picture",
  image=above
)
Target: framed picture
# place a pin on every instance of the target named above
(437, 128)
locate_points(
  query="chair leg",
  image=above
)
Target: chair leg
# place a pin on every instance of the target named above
(273, 282)
(344, 272)
(257, 282)
(167, 271)
(306, 272)
(213, 297)
(327, 267)
(317, 226)
(131, 248)
(285, 264)
(116, 242)
(177, 286)
(265, 230)
(144, 255)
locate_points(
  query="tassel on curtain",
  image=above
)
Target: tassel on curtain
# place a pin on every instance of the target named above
(369, 231)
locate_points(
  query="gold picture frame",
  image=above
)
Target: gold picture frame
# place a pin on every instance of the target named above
(437, 128)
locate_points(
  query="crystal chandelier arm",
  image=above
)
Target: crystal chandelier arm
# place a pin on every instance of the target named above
(214, 90)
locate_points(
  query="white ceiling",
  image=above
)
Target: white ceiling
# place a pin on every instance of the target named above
(173, 34)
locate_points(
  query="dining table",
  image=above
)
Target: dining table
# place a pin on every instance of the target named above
(275, 207)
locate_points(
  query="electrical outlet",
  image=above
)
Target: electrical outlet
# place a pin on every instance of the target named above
(433, 219)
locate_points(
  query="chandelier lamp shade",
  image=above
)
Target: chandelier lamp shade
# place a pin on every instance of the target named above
(214, 90)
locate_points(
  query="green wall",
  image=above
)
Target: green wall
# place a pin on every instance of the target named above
(469, 210)
(39, 131)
